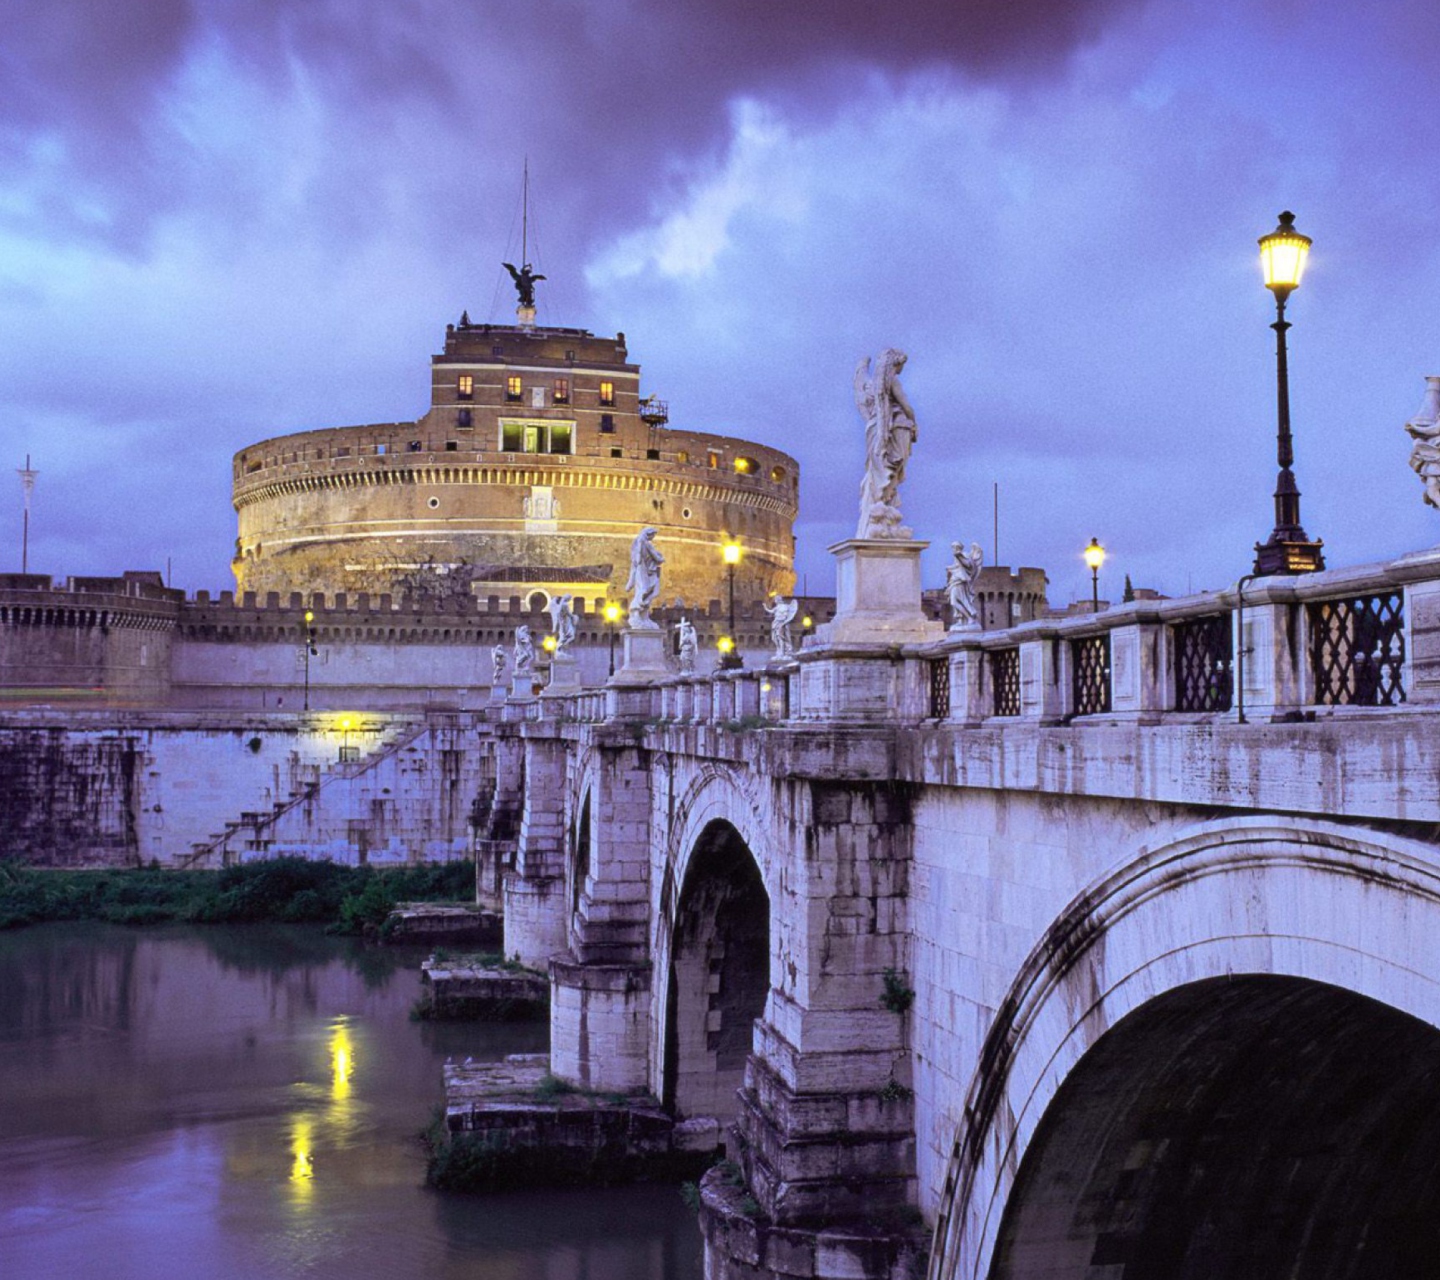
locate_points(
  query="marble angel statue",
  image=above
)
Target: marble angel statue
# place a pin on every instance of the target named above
(644, 581)
(1424, 429)
(960, 585)
(524, 649)
(782, 614)
(689, 646)
(499, 659)
(890, 434)
(562, 623)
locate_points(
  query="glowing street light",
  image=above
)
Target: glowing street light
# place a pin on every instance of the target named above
(612, 614)
(730, 657)
(1283, 254)
(1094, 557)
(310, 651)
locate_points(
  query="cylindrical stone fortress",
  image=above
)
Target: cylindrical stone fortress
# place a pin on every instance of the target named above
(537, 464)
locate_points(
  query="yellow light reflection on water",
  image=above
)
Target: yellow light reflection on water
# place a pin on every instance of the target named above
(342, 1061)
(302, 1164)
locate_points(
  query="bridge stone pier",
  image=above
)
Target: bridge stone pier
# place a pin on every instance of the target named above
(1099, 947)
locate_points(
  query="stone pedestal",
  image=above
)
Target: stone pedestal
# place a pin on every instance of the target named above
(522, 686)
(877, 594)
(645, 657)
(564, 674)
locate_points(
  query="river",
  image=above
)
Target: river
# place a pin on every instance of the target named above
(242, 1103)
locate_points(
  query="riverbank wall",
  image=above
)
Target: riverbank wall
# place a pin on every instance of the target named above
(81, 788)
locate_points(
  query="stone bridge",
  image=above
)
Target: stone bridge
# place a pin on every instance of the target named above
(1094, 948)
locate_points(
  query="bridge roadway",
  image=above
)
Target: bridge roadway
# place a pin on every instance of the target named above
(1093, 987)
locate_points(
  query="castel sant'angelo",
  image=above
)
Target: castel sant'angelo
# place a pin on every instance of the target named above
(381, 565)
(534, 467)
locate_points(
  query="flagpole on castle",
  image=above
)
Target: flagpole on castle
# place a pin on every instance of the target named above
(27, 481)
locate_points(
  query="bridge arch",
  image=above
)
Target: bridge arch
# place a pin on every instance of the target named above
(1237, 942)
(712, 948)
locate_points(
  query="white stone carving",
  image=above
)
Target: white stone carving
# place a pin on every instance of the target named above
(890, 434)
(644, 581)
(562, 624)
(782, 614)
(689, 647)
(1424, 429)
(499, 658)
(524, 650)
(960, 585)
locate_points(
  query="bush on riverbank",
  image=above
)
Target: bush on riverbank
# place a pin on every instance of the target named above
(284, 890)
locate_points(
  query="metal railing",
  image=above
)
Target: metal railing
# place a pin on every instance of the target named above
(1204, 663)
(1005, 676)
(1357, 650)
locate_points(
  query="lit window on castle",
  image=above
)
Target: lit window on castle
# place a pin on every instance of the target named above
(465, 386)
(607, 393)
(714, 459)
(683, 456)
(561, 393)
(745, 466)
(514, 390)
(777, 474)
(537, 437)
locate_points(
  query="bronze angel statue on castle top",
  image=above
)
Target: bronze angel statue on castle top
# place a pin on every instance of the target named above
(525, 280)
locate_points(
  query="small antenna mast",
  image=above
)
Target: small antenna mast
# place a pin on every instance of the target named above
(525, 216)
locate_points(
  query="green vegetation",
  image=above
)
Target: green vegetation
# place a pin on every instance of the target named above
(898, 995)
(283, 890)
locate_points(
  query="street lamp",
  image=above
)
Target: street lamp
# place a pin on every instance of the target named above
(730, 655)
(612, 616)
(1282, 255)
(27, 482)
(310, 651)
(1094, 557)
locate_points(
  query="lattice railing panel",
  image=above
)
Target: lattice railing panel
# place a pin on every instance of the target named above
(1090, 658)
(940, 688)
(1005, 675)
(1357, 650)
(1204, 664)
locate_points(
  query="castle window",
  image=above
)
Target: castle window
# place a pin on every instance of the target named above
(343, 451)
(714, 459)
(382, 449)
(465, 386)
(537, 437)
(561, 394)
(607, 423)
(745, 466)
(607, 393)
(463, 420)
(510, 437)
(560, 438)
(683, 456)
(416, 446)
(617, 453)
(777, 474)
(513, 389)
(451, 446)
(653, 455)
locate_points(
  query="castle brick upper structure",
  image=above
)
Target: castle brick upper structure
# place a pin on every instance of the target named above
(533, 470)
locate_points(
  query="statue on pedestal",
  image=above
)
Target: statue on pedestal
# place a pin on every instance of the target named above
(1424, 429)
(689, 647)
(499, 659)
(644, 581)
(890, 434)
(524, 650)
(960, 585)
(782, 614)
(562, 623)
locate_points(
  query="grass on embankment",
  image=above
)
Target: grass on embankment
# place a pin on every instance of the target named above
(284, 890)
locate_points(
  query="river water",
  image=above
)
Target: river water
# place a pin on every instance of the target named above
(244, 1102)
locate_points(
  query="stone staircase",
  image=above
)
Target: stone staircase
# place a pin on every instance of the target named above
(251, 831)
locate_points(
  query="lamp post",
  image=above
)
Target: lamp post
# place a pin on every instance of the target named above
(1094, 557)
(612, 616)
(1282, 255)
(27, 483)
(310, 650)
(730, 657)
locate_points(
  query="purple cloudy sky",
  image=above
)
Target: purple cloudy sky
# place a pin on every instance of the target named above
(222, 220)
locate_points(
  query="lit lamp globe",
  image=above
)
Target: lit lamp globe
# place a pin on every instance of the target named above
(1095, 557)
(612, 612)
(1283, 254)
(549, 644)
